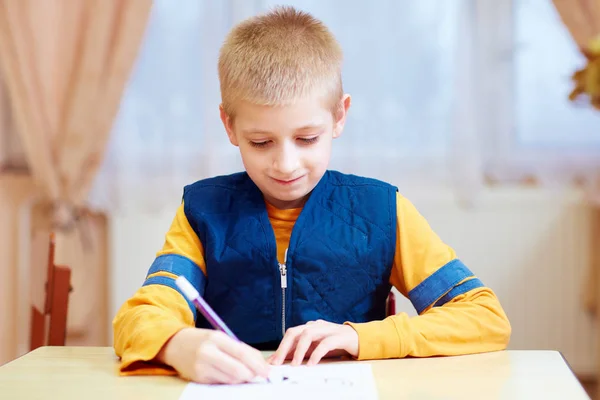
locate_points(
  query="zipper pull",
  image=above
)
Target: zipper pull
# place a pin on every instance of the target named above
(283, 271)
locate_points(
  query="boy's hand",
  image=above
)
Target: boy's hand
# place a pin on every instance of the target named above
(317, 339)
(208, 356)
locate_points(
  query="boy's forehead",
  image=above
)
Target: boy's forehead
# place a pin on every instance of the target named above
(252, 118)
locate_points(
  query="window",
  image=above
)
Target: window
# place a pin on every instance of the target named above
(548, 136)
(444, 92)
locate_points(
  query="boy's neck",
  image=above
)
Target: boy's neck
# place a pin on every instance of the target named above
(286, 205)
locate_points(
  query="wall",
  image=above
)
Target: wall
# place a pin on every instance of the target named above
(530, 245)
(14, 190)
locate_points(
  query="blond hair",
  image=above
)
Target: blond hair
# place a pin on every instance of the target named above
(278, 58)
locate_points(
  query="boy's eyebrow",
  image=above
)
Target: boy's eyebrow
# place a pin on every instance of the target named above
(309, 127)
(255, 132)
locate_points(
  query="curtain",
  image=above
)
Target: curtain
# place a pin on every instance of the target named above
(65, 64)
(582, 19)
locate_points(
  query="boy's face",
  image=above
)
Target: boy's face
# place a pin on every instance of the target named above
(285, 149)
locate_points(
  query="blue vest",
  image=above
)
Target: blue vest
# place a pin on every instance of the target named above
(338, 263)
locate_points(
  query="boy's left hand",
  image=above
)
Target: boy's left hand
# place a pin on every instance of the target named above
(317, 339)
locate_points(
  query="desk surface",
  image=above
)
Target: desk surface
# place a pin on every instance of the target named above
(91, 373)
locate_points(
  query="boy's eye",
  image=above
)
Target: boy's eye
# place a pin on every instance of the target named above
(309, 140)
(259, 144)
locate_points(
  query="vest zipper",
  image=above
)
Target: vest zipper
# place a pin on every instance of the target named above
(283, 275)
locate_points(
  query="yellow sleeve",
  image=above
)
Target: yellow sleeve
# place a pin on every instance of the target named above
(158, 310)
(457, 313)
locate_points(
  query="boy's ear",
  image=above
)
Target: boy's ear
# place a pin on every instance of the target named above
(228, 124)
(340, 115)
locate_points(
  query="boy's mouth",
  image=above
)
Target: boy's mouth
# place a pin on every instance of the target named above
(287, 181)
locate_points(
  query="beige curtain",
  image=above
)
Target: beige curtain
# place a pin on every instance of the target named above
(65, 64)
(582, 18)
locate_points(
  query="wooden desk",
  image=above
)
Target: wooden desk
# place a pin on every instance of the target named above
(91, 373)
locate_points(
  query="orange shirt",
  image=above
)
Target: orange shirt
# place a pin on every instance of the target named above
(470, 322)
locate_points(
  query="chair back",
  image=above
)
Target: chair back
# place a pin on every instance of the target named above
(390, 305)
(56, 305)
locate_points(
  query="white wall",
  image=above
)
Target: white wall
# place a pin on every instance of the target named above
(531, 246)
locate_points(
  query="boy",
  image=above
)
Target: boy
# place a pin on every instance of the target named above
(291, 256)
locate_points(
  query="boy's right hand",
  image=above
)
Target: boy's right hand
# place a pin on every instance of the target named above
(209, 356)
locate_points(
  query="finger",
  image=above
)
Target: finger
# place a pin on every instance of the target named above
(288, 341)
(235, 371)
(311, 349)
(308, 340)
(212, 375)
(327, 345)
(305, 341)
(246, 355)
(217, 359)
(290, 353)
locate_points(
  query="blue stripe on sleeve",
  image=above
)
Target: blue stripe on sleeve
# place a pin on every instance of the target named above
(180, 265)
(458, 290)
(438, 284)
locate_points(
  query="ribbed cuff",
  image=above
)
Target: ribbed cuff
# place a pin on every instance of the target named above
(141, 359)
(378, 340)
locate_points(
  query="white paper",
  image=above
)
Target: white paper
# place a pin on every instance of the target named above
(325, 381)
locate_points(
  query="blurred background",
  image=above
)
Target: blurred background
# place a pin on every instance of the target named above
(108, 108)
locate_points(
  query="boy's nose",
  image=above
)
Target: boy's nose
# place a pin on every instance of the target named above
(286, 161)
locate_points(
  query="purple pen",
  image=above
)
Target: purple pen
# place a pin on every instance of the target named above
(192, 295)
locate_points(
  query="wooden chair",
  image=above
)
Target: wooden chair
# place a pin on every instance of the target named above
(390, 305)
(56, 304)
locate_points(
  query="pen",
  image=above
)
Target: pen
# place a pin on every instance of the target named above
(192, 295)
(217, 323)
